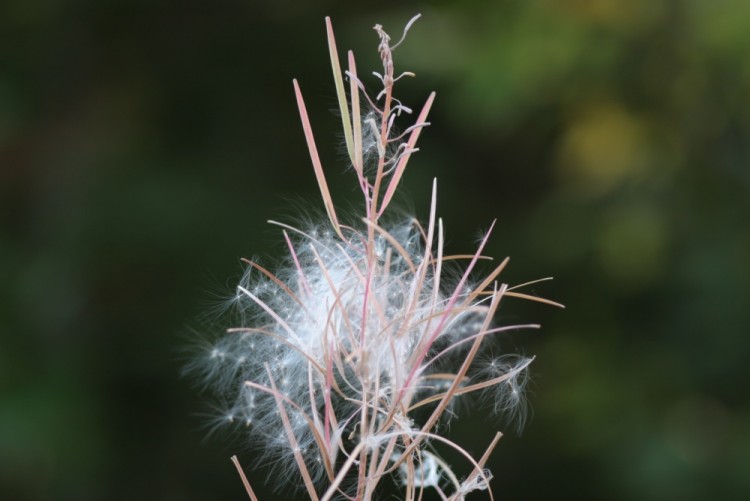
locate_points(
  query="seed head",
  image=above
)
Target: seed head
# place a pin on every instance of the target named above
(347, 356)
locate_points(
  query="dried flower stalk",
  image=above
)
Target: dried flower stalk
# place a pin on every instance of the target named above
(337, 352)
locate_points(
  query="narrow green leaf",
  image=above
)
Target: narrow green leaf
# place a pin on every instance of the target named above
(340, 91)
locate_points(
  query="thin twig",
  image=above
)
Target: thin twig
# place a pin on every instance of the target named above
(249, 489)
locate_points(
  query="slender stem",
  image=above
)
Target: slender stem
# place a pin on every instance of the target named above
(245, 482)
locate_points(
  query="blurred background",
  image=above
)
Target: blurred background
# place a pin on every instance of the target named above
(144, 144)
